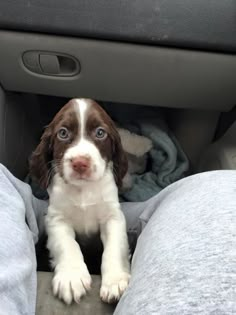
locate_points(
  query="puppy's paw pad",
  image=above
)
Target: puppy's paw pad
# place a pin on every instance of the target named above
(113, 286)
(71, 284)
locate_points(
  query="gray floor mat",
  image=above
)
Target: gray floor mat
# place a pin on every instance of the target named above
(91, 304)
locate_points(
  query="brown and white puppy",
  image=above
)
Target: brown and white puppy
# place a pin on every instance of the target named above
(81, 153)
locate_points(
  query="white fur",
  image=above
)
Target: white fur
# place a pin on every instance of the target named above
(84, 148)
(134, 144)
(85, 208)
(136, 147)
(81, 107)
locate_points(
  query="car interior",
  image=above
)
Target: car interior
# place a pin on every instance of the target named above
(177, 57)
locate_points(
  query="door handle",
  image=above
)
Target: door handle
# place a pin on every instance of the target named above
(52, 64)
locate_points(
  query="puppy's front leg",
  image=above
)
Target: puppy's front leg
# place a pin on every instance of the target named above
(115, 259)
(71, 278)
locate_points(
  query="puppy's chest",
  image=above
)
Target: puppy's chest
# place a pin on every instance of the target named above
(85, 211)
(86, 207)
(85, 220)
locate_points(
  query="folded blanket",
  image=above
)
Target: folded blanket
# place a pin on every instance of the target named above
(167, 162)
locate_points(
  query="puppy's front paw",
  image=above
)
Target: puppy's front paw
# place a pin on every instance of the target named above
(113, 286)
(71, 283)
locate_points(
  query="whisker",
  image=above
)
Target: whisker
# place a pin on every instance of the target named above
(49, 172)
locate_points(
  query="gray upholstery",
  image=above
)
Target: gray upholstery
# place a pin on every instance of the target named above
(124, 73)
(183, 23)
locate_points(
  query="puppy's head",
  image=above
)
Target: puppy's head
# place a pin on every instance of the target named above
(79, 144)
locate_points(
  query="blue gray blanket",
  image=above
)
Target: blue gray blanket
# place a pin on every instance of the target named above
(167, 161)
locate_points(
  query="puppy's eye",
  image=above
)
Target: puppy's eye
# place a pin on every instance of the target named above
(100, 133)
(63, 134)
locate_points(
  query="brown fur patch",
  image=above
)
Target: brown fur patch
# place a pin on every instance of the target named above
(110, 148)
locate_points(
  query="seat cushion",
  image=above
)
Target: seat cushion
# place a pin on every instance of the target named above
(47, 304)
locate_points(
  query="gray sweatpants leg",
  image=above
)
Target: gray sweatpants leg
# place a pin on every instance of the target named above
(184, 263)
(17, 252)
(185, 259)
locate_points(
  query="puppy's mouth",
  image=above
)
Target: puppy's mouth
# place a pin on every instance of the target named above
(84, 174)
(81, 175)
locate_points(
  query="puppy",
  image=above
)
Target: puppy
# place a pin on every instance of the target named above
(80, 160)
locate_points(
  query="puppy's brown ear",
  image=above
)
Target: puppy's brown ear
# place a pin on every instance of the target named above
(41, 158)
(120, 161)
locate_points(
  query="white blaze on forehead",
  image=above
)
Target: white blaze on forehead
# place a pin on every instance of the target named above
(81, 109)
(84, 146)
